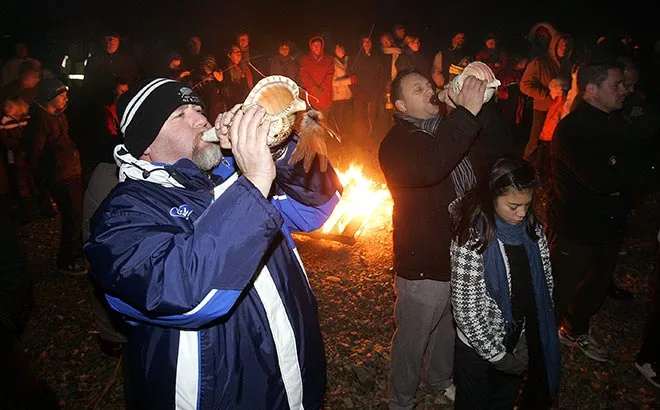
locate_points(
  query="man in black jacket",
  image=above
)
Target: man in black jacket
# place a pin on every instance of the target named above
(596, 169)
(425, 162)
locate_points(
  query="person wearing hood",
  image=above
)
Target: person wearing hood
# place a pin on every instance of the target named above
(535, 84)
(539, 38)
(316, 74)
(175, 69)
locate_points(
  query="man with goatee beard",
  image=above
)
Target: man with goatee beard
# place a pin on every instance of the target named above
(193, 248)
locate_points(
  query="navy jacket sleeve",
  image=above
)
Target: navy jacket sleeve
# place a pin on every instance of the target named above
(180, 276)
(305, 199)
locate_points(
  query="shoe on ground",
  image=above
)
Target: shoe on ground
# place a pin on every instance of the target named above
(648, 370)
(586, 343)
(73, 269)
(450, 392)
(619, 293)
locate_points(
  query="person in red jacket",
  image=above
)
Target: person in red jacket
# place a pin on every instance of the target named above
(316, 72)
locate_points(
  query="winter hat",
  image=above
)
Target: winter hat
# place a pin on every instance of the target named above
(173, 55)
(209, 61)
(490, 36)
(50, 88)
(144, 109)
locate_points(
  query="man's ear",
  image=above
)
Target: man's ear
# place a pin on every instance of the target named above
(591, 89)
(400, 105)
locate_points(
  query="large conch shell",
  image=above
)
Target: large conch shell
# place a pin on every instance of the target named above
(476, 69)
(279, 96)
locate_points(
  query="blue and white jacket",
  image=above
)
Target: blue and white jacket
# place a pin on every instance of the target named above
(206, 271)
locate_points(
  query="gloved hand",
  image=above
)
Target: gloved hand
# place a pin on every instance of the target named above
(512, 364)
(354, 79)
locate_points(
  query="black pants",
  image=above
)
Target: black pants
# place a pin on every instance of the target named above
(341, 117)
(479, 385)
(538, 119)
(582, 280)
(67, 195)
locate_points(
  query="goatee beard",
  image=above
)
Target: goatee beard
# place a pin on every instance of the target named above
(207, 157)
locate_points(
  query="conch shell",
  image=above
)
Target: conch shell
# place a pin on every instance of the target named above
(476, 69)
(279, 96)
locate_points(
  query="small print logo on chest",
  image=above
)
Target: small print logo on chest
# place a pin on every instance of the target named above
(183, 211)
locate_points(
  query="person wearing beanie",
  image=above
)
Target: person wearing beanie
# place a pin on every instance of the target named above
(55, 161)
(192, 247)
(209, 62)
(208, 85)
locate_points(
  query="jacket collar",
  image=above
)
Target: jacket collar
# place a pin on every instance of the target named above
(182, 174)
(408, 126)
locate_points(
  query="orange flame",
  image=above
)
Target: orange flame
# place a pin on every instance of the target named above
(360, 198)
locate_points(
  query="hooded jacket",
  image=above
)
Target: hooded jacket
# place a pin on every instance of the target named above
(316, 74)
(206, 272)
(540, 71)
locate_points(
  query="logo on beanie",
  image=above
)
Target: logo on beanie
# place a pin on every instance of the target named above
(188, 97)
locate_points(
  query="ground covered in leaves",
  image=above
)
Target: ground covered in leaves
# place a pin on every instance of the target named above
(353, 284)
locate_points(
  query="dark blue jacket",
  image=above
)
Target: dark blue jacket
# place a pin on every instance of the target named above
(222, 312)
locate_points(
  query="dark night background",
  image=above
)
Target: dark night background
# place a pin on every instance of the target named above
(48, 24)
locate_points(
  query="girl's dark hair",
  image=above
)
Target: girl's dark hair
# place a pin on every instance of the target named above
(477, 207)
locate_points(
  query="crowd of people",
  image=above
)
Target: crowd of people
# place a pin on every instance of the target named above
(512, 175)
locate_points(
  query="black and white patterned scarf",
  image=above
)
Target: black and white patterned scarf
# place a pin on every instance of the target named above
(463, 176)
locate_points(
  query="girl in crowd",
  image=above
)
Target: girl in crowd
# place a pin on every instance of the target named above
(501, 295)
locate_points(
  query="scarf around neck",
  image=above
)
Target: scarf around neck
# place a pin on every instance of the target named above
(497, 286)
(462, 176)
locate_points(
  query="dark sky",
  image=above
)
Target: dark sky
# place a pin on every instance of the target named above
(268, 20)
